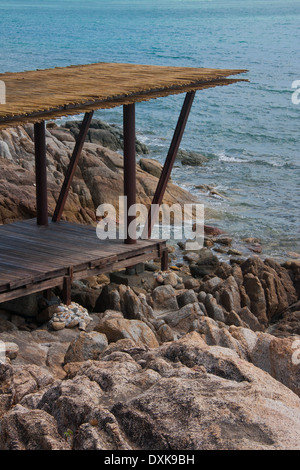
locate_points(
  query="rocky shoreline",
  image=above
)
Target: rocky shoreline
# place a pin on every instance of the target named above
(203, 356)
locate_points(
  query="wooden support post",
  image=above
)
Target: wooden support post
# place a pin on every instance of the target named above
(166, 171)
(66, 293)
(72, 167)
(41, 173)
(129, 168)
(164, 259)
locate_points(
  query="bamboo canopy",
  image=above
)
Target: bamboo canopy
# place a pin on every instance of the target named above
(35, 96)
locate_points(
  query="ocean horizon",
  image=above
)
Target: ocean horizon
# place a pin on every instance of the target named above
(249, 132)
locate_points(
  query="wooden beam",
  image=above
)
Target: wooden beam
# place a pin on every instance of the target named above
(171, 156)
(41, 173)
(129, 168)
(72, 167)
(165, 259)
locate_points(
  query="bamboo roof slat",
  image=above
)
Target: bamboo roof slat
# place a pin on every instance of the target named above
(38, 95)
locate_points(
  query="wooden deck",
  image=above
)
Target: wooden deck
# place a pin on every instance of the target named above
(35, 258)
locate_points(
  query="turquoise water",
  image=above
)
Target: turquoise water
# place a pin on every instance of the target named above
(250, 132)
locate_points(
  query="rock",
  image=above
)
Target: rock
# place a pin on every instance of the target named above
(251, 240)
(171, 279)
(108, 299)
(247, 340)
(164, 299)
(152, 267)
(55, 359)
(98, 167)
(30, 378)
(46, 314)
(276, 356)
(151, 166)
(214, 310)
(58, 325)
(210, 285)
(255, 248)
(293, 269)
(19, 321)
(188, 297)
(182, 320)
(119, 328)
(258, 422)
(207, 263)
(237, 274)
(287, 326)
(70, 316)
(274, 285)
(86, 346)
(135, 398)
(225, 241)
(251, 320)
(11, 350)
(123, 298)
(212, 231)
(23, 429)
(4, 151)
(232, 318)
(62, 135)
(255, 292)
(208, 242)
(224, 270)
(192, 283)
(229, 294)
(191, 257)
(100, 132)
(191, 158)
(202, 296)
(86, 296)
(214, 335)
(165, 333)
(234, 252)
(26, 306)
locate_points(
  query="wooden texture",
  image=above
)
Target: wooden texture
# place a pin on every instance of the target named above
(39, 95)
(35, 258)
(84, 128)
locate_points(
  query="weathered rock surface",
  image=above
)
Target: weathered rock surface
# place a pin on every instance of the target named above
(115, 327)
(151, 166)
(23, 429)
(107, 135)
(98, 179)
(191, 158)
(86, 346)
(184, 395)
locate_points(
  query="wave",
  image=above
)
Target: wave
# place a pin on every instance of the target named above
(259, 160)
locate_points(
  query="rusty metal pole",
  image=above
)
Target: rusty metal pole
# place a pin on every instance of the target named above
(166, 171)
(129, 167)
(41, 173)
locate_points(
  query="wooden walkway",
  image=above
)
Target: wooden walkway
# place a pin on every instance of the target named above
(35, 258)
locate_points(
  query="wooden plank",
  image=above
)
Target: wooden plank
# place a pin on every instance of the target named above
(35, 258)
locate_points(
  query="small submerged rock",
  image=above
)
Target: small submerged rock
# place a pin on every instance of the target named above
(191, 158)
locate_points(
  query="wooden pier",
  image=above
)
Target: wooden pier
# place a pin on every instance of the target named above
(35, 258)
(39, 254)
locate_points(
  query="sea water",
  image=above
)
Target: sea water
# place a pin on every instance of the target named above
(249, 132)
